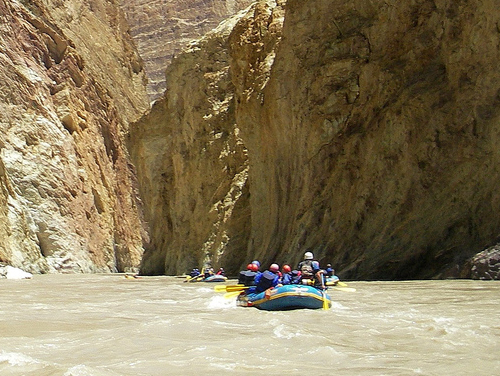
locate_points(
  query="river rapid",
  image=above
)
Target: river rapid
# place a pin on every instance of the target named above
(106, 325)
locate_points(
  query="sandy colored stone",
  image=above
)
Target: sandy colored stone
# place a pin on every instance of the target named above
(70, 83)
(370, 132)
(163, 28)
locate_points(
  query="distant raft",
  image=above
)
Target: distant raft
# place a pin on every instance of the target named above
(332, 280)
(286, 298)
(215, 278)
(211, 278)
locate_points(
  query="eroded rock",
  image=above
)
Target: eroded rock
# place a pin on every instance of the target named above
(70, 83)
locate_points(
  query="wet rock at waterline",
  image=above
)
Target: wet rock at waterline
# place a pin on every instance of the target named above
(486, 265)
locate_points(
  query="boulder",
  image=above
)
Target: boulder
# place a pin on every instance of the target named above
(486, 265)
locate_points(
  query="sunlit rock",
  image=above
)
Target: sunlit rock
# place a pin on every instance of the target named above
(10, 272)
(163, 28)
(70, 83)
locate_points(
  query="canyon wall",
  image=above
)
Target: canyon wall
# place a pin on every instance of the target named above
(71, 81)
(364, 131)
(192, 165)
(383, 118)
(162, 28)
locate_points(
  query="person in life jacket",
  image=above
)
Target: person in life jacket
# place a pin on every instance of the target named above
(266, 280)
(305, 268)
(257, 264)
(247, 277)
(319, 276)
(194, 273)
(208, 271)
(220, 271)
(286, 275)
(329, 270)
(296, 277)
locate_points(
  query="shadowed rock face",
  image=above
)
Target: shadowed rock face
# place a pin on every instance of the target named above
(70, 83)
(162, 28)
(367, 132)
(192, 164)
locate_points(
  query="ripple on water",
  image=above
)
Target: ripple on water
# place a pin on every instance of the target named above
(219, 302)
(108, 325)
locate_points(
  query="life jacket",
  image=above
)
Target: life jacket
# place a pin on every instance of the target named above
(246, 277)
(286, 279)
(266, 280)
(194, 273)
(306, 269)
(295, 277)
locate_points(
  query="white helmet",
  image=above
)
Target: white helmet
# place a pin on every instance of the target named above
(308, 256)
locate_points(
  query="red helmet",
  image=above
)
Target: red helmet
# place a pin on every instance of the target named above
(249, 266)
(274, 268)
(255, 267)
(287, 269)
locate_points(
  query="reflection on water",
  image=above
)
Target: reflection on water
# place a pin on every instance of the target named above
(93, 325)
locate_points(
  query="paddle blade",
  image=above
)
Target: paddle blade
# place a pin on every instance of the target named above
(325, 301)
(236, 288)
(229, 288)
(220, 288)
(345, 289)
(233, 294)
(195, 278)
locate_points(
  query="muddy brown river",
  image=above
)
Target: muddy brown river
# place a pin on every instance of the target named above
(105, 325)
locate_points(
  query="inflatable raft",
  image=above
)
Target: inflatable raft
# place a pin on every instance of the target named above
(215, 278)
(286, 298)
(332, 281)
(212, 278)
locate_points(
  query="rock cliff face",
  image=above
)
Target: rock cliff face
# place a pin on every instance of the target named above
(365, 131)
(192, 164)
(162, 28)
(70, 83)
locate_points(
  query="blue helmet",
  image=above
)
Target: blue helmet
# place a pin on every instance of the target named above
(256, 263)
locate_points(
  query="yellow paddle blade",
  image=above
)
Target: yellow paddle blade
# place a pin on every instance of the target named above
(236, 288)
(229, 288)
(340, 288)
(232, 294)
(343, 284)
(220, 288)
(325, 301)
(195, 278)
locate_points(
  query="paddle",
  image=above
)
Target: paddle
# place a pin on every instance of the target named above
(230, 288)
(190, 279)
(232, 294)
(323, 292)
(325, 300)
(341, 288)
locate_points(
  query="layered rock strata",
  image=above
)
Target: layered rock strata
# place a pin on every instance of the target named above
(70, 83)
(163, 28)
(368, 128)
(192, 164)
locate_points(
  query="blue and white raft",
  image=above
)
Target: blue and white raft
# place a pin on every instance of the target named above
(286, 298)
(215, 278)
(211, 278)
(332, 280)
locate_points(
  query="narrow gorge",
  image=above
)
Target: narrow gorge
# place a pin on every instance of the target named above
(363, 131)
